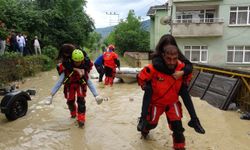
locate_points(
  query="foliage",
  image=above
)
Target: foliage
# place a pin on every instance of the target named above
(54, 21)
(50, 51)
(129, 36)
(14, 67)
(45, 62)
(110, 39)
(3, 33)
(94, 41)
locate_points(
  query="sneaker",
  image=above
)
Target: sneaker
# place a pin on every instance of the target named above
(195, 123)
(99, 99)
(80, 124)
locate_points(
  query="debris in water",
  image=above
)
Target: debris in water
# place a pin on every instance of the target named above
(245, 116)
(248, 133)
(232, 106)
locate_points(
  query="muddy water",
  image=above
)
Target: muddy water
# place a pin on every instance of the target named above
(112, 125)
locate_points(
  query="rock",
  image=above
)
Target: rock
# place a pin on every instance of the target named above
(232, 106)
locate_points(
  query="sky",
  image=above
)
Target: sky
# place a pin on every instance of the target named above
(108, 12)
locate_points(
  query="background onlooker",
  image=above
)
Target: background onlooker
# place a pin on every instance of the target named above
(3, 36)
(13, 42)
(37, 47)
(21, 43)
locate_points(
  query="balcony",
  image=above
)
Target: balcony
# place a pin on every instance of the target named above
(201, 27)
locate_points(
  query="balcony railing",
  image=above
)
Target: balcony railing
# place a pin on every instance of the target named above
(199, 20)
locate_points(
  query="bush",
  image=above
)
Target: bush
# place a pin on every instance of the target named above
(46, 62)
(3, 33)
(10, 55)
(50, 51)
(14, 67)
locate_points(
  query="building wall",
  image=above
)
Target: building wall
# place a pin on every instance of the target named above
(217, 46)
(157, 29)
(137, 59)
(152, 33)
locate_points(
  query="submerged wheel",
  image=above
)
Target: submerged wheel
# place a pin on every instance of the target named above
(18, 108)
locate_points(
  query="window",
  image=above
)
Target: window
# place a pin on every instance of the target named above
(240, 15)
(196, 16)
(196, 53)
(238, 54)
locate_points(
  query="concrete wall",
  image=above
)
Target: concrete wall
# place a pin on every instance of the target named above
(197, 29)
(137, 59)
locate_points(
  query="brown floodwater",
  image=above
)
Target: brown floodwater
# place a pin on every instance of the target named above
(112, 125)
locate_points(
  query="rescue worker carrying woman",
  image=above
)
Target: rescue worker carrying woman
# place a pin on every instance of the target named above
(165, 95)
(111, 62)
(75, 85)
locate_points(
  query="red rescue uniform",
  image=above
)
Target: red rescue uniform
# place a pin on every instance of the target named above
(76, 86)
(110, 65)
(164, 99)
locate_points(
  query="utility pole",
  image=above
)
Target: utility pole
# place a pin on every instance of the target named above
(111, 20)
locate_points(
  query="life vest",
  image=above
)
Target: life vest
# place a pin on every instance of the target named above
(165, 87)
(109, 59)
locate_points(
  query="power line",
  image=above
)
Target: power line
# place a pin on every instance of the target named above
(111, 21)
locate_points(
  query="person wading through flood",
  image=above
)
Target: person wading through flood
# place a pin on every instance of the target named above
(66, 62)
(111, 62)
(99, 66)
(186, 72)
(165, 95)
(75, 85)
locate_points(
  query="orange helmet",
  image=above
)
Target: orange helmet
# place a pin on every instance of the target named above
(111, 47)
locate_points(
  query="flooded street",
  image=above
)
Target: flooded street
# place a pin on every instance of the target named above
(112, 125)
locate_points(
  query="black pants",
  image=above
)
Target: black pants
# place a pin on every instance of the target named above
(100, 70)
(108, 71)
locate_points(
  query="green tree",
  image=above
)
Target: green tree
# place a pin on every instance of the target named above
(94, 41)
(110, 39)
(129, 36)
(54, 21)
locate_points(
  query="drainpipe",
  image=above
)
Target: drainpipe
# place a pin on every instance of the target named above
(170, 3)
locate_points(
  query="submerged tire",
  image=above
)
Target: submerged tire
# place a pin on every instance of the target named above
(18, 108)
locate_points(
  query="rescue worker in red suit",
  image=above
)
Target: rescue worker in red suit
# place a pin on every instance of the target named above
(165, 95)
(111, 62)
(75, 85)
